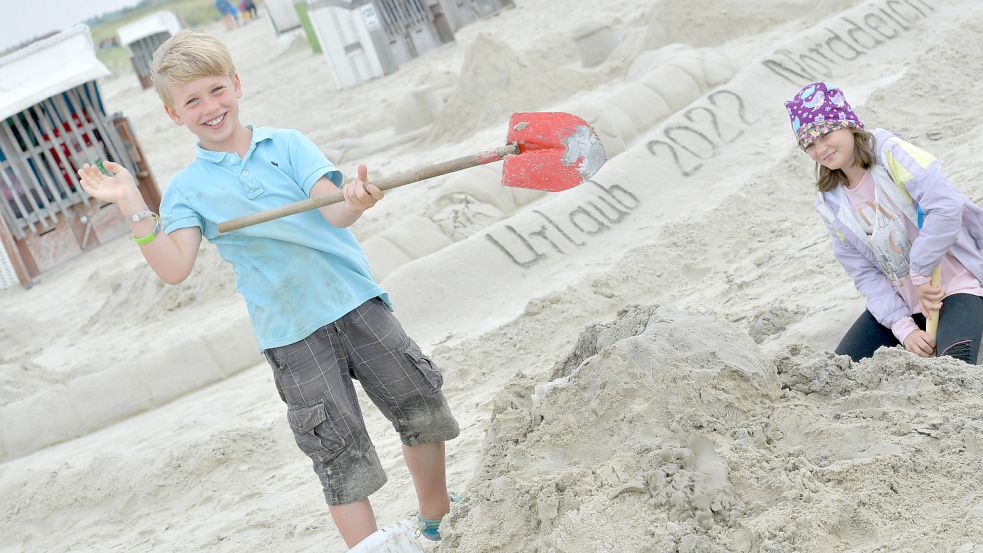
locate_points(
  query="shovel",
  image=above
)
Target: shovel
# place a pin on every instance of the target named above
(544, 151)
(932, 324)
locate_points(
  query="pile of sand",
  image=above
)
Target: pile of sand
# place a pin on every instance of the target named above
(713, 22)
(496, 81)
(665, 431)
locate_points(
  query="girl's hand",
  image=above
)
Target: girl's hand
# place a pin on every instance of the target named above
(108, 188)
(360, 196)
(929, 298)
(920, 343)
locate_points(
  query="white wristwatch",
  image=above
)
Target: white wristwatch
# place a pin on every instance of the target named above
(140, 215)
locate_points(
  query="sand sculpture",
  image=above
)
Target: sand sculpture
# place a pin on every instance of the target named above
(802, 451)
(594, 42)
(660, 82)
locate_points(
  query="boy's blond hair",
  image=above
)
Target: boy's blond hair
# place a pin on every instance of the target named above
(187, 56)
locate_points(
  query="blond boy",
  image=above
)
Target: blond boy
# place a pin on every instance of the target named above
(318, 314)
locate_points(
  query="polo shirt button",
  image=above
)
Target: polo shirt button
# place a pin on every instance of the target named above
(245, 173)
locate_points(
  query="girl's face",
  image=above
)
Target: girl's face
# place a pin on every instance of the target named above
(834, 150)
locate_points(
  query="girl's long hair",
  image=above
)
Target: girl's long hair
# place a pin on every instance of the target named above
(863, 154)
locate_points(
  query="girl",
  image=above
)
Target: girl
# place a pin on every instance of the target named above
(893, 217)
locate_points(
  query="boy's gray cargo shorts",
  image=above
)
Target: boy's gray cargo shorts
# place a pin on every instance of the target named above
(314, 378)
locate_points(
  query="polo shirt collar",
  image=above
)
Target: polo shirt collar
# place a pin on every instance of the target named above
(259, 134)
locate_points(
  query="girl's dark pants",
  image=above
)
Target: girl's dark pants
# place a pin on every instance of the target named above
(960, 328)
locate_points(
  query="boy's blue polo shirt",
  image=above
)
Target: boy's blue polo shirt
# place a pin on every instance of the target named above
(296, 273)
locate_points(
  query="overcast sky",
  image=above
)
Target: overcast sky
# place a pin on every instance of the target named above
(21, 20)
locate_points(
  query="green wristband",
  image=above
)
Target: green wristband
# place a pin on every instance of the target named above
(150, 237)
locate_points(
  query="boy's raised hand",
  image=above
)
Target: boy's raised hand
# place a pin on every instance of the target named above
(359, 195)
(107, 188)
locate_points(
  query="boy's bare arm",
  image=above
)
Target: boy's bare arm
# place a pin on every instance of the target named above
(172, 255)
(359, 196)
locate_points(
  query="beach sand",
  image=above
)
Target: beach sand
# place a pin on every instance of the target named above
(638, 364)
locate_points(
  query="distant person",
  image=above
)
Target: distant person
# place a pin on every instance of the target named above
(893, 218)
(317, 312)
(228, 13)
(248, 9)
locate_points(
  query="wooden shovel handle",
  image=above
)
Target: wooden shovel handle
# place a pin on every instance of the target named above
(336, 195)
(932, 325)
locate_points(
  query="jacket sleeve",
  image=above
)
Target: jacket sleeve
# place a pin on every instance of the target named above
(883, 301)
(921, 175)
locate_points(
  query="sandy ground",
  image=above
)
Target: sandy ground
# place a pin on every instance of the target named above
(637, 364)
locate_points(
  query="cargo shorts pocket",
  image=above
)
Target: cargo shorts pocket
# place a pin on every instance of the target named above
(426, 367)
(313, 431)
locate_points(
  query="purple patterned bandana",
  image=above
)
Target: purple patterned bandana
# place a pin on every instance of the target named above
(819, 109)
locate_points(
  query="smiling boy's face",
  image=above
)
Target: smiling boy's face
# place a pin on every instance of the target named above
(209, 107)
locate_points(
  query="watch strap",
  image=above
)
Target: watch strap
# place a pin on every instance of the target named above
(140, 215)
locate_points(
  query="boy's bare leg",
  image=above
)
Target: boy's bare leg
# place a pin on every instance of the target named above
(426, 465)
(355, 521)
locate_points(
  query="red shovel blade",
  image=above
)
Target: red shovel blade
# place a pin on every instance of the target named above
(557, 151)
